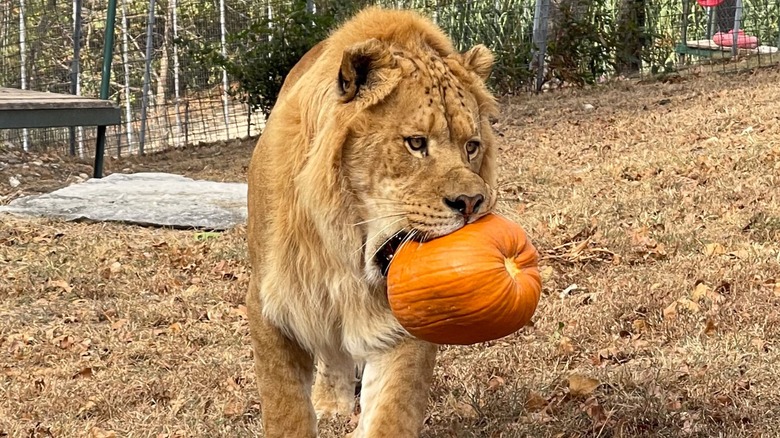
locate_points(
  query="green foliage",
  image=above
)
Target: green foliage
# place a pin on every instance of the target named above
(259, 56)
(582, 43)
(588, 39)
(508, 34)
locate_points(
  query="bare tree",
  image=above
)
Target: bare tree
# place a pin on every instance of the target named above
(222, 35)
(160, 109)
(23, 56)
(126, 88)
(176, 87)
(631, 31)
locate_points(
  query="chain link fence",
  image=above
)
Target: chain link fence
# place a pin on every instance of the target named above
(171, 97)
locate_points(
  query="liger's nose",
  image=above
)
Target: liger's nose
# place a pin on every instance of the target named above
(465, 204)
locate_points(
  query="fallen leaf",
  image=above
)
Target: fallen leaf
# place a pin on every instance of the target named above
(582, 386)
(715, 297)
(723, 399)
(758, 344)
(639, 325)
(60, 284)
(712, 249)
(595, 411)
(11, 372)
(495, 382)
(465, 410)
(700, 291)
(239, 311)
(741, 254)
(116, 325)
(233, 408)
(64, 341)
(683, 372)
(84, 373)
(777, 290)
(214, 314)
(710, 327)
(175, 327)
(546, 273)
(534, 402)
(96, 432)
(689, 305)
(640, 344)
(674, 403)
(670, 312)
(565, 346)
(221, 267)
(711, 140)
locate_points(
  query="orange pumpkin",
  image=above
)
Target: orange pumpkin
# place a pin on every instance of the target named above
(476, 284)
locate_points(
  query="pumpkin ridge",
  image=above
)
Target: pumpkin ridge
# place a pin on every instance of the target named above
(479, 283)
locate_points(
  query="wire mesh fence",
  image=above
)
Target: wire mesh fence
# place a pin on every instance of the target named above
(171, 95)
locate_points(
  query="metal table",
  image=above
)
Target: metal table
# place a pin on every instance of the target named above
(35, 109)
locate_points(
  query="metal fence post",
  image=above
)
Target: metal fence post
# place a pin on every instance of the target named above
(108, 54)
(147, 68)
(541, 19)
(737, 25)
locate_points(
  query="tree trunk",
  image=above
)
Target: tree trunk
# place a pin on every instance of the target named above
(160, 109)
(176, 87)
(126, 68)
(631, 31)
(23, 65)
(223, 51)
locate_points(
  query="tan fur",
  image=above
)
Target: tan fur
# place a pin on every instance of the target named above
(331, 179)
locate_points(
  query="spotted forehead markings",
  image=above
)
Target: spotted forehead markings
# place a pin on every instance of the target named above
(442, 88)
(450, 91)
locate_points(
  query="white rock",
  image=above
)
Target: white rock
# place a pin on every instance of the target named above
(14, 181)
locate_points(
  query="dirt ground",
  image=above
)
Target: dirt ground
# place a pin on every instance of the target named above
(656, 208)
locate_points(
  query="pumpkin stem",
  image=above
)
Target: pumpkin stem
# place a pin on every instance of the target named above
(511, 267)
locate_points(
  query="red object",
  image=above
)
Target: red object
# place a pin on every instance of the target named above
(744, 41)
(710, 3)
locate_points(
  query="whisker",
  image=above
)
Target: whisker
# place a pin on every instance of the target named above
(392, 215)
(385, 243)
(379, 232)
(408, 238)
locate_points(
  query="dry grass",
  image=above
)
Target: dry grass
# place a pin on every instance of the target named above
(661, 204)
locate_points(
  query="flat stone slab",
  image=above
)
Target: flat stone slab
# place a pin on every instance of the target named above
(156, 199)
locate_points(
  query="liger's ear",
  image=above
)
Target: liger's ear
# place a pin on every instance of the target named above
(479, 59)
(368, 71)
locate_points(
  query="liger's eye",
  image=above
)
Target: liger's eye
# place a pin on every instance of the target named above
(472, 147)
(417, 144)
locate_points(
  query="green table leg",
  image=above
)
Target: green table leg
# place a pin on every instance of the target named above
(108, 54)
